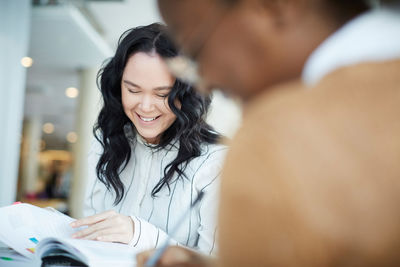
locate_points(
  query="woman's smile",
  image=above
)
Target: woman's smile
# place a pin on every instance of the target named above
(148, 120)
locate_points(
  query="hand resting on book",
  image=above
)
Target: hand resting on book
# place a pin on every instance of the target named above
(108, 226)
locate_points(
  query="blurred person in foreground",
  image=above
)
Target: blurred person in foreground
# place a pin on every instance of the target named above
(313, 176)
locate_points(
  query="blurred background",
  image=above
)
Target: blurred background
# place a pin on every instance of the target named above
(50, 52)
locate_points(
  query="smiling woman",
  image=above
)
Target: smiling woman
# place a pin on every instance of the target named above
(154, 152)
(146, 83)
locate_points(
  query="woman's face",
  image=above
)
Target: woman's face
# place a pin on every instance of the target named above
(145, 85)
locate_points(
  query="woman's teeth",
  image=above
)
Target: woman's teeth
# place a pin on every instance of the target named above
(147, 119)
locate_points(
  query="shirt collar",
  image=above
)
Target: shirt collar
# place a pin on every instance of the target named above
(371, 37)
(142, 141)
(137, 138)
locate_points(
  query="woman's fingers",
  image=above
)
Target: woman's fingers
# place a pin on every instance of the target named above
(97, 227)
(93, 219)
(108, 227)
(106, 235)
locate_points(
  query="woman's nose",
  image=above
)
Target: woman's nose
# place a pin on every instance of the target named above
(147, 103)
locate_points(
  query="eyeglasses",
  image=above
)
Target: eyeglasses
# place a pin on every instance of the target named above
(185, 67)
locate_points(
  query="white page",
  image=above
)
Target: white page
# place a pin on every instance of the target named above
(115, 253)
(22, 226)
(8, 255)
(93, 253)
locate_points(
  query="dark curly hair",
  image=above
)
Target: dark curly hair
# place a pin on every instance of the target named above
(189, 128)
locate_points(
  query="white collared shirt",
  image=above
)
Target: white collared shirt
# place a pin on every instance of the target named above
(155, 217)
(371, 37)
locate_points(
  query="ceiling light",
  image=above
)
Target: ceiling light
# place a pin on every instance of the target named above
(48, 128)
(71, 92)
(72, 137)
(26, 62)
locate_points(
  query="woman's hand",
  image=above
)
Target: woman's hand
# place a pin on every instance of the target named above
(177, 257)
(108, 226)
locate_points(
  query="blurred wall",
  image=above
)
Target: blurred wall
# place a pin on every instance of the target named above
(15, 18)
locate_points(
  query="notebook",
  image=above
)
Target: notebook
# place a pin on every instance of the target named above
(43, 234)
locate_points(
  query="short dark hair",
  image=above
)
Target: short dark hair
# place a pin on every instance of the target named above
(344, 10)
(341, 10)
(189, 128)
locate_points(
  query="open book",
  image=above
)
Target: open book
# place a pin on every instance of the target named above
(38, 234)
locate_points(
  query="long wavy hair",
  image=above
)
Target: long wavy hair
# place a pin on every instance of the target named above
(189, 129)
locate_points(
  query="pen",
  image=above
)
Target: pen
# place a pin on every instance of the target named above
(151, 262)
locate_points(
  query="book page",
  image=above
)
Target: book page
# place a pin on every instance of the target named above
(9, 256)
(92, 253)
(22, 226)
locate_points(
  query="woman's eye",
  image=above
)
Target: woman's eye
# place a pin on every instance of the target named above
(133, 91)
(162, 95)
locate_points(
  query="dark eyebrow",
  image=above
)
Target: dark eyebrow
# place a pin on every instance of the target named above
(163, 88)
(160, 88)
(131, 83)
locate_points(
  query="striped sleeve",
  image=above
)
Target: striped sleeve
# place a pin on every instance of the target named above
(207, 180)
(147, 236)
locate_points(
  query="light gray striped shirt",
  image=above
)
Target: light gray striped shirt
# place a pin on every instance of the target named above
(155, 217)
